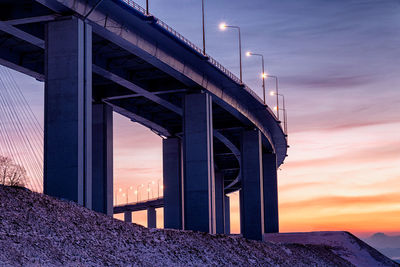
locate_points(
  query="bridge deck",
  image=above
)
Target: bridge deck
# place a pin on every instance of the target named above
(141, 205)
(142, 68)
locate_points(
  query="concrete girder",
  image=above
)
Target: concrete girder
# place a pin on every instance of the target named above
(37, 19)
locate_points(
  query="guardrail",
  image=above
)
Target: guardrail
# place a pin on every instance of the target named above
(186, 41)
(197, 49)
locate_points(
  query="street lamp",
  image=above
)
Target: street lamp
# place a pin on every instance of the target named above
(222, 27)
(262, 73)
(276, 91)
(149, 189)
(204, 31)
(158, 188)
(272, 93)
(147, 7)
(138, 192)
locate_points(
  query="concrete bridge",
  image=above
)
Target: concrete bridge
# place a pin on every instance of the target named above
(96, 57)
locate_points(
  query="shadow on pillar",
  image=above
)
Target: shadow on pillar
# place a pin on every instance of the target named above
(172, 181)
(227, 215)
(151, 217)
(128, 216)
(251, 197)
(219, 203)
(102, 159)
(270, 184)
(199, 196)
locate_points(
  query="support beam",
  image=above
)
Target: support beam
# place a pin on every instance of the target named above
(31, 20)
(172, 172)
(68, 111)
(199, 184)
(128, 216)
(135, 88)
(270, 185)
(219, 202)
(151, 218)
(102, 180)
(251, 198)
(227, 215)
(21, 34)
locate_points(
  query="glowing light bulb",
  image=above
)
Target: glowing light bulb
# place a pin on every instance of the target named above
(222, 26)
(272, 93)
(248, 54)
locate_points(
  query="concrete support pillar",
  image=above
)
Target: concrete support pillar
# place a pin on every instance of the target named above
(102, 180)
(227, 215)
(219, 203)
(251, 197)
(151, 217)
(199, 184)
(128, 216)
(270, 185)
(68, 111)
(172, 172)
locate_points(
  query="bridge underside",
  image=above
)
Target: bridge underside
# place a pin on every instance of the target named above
(111, 73)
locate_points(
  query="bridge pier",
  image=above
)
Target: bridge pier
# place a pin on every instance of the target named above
(219, 203)
(172, 180)
(68, 111)
(128, 216)
(227, 215)
(270, 188)
(151, 217)
(102, 177)
(199, 183)
(251, 197)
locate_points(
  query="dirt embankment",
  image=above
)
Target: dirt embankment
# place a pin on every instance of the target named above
(38, 230)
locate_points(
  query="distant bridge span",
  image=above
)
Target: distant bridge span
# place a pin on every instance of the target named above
(218, 136)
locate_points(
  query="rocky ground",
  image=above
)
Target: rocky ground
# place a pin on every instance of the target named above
(37, 230)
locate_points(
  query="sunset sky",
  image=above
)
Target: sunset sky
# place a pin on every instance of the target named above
(338, 65)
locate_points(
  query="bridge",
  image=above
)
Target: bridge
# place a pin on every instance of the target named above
(98, 57)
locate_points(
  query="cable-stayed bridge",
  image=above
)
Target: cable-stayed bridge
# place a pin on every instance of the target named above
(98, 57)
(21, 135)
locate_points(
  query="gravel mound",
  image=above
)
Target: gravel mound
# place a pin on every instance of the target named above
(37, 230)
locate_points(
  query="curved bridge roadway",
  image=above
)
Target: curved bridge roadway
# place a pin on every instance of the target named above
(98, 57)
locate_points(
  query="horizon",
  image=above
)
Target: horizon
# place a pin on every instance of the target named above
(343, 170)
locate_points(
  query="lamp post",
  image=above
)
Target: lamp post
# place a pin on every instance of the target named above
(204, 30)
(138, 192)
(147, 7)
(158, 188)
(272, 93)
(116, 196)
(276, 91)
(262, 68)
(223, 26)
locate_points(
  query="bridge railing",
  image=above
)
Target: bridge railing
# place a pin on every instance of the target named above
(197, 49)
(186, 41)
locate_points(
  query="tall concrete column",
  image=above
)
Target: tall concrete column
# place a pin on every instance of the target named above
(68, 111)
(251, 198)
(227, 215)
(219, 203)
(199, 184)
(151, 217)
(128, 216)
(172, 173)
(270, 184)
(102, 180)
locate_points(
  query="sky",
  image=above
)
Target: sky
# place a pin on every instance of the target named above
(338, 67)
